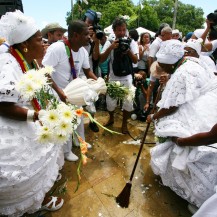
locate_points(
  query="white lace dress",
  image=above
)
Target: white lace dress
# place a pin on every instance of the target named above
(189, 171)
(27, 169)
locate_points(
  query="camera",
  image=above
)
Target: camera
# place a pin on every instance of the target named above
(139, 82)
(213, 18)
(98, 31)
(95, 17)
(124, 44)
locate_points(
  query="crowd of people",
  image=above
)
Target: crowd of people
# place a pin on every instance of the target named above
(185, 121)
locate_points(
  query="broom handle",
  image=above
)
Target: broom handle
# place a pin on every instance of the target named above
(146, 132)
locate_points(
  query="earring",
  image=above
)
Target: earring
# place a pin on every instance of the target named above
(25, 50)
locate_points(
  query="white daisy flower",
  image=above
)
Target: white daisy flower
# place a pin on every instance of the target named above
(63, 127)
(118, 83)
(29, 90)
(47, 70)
(51, 118)
(60, 139)
(44, 136)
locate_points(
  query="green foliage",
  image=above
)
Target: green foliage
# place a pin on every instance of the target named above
(151, 16)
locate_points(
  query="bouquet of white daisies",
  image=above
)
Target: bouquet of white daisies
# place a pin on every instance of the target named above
(116, 90)
(57, 119)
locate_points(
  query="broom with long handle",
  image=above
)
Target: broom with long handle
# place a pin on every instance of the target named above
(123, 198)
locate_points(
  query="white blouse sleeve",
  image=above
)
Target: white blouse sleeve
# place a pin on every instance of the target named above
(9, 76)
(183, 86)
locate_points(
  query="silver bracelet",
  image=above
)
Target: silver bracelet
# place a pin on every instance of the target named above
(30, 115)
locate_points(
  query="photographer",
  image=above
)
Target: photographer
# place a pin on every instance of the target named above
(91, 18)
(140, 95)
(122, 54)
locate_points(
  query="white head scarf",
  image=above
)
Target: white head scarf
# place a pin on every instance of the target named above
(195, 44)
(170, 51)
(16, 27)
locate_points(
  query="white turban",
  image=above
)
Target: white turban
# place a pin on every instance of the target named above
(16, 27)
(170, 51)
(195, 44)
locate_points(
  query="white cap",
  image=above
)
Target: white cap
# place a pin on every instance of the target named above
(175, 31)
(16, 27)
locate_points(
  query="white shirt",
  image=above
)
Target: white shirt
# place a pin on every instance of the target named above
(57, 57)
(214, 44)
(135, 44)
(133, 48)
(154, 47)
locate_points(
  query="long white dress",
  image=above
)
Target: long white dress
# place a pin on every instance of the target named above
(189, 171)
(27, 169)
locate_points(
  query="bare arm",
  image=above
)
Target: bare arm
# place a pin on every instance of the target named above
(89, 74)
(206, 46)
(164, 112)
(13, 111)
(148, 96)
(132, 56)
(161, 113)
(199, 139)
(96, 51)
(59, 91)
(150, 61)
(103, 56)
(141, 51)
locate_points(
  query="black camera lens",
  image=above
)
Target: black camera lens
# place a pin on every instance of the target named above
(124, 44)
(99, 34)
(98, 31)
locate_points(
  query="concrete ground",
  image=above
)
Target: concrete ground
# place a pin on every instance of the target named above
(108, 169)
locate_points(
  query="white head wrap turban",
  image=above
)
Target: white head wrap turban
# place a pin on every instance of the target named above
(170, 51)
(195, 44)
(16, 27)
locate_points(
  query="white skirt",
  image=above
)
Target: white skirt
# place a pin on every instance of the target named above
(28, 169)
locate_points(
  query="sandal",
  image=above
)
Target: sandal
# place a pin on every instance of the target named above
(54, 206)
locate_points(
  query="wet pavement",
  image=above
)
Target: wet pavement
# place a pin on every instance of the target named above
(108, 169)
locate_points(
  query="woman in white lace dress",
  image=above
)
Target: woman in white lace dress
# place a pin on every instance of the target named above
(188, 106)
(27, 169)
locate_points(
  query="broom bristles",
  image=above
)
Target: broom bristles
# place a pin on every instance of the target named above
(123, 198)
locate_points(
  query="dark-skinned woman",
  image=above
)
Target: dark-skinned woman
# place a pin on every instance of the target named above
(28, 169)
(188, 106)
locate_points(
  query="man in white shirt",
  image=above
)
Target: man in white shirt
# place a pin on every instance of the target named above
(120, 28)
(56, 56)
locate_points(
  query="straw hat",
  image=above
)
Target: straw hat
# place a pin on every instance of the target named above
(156, 70)
(51, 27)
